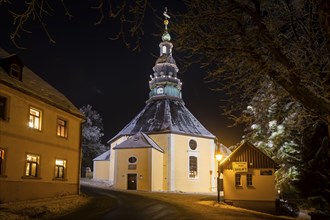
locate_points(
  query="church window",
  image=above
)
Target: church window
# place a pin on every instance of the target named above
(132, 159)
(193, 167)
(192, 144)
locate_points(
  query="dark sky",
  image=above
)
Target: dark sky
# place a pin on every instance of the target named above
(89, 68)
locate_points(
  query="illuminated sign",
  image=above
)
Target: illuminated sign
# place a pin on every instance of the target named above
(239, 166)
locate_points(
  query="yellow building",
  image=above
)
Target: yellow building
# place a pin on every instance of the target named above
(249, 179)
(164, 147)
(39, 136)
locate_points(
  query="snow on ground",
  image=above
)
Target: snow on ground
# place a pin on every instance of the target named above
(55, 207)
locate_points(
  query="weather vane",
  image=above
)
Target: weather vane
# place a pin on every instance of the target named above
(166, 18)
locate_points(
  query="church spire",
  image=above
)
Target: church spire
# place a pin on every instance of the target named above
(164, 82)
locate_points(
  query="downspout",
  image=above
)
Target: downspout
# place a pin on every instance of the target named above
(80, 153)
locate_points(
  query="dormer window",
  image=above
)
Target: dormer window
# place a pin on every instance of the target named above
(15, 71)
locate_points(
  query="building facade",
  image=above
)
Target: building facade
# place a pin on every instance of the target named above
(164, 147)
(249, 179)
(40, 133)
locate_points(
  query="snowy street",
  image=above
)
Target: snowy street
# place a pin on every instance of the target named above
(99, 201)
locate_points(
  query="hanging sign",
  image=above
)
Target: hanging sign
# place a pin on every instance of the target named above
(239, 166)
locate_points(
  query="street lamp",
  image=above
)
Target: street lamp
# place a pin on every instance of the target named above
(218, 157)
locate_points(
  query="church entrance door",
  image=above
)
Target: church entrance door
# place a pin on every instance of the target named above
(131, 181)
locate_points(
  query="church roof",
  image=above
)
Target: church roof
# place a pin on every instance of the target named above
(165, 116)
(33, 85)
(104, 156)
(139, 140)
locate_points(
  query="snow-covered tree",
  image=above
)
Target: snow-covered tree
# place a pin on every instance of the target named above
(92, 133)
(291, 136)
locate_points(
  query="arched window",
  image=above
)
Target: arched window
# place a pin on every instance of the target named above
(15, 71)
(164, 49)
(193, 171)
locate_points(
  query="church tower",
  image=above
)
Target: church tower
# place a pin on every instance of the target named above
(164, 147)
(164, 82)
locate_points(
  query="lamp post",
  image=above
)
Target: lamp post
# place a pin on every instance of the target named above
(218, 156)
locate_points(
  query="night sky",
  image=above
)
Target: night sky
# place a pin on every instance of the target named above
(89, 68)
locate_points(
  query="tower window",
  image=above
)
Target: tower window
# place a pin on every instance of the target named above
(164, 49)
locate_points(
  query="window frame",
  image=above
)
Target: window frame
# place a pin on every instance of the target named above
(192, 175)
(15, 71)
(65, 127)
(249, 180)
(57, 167)
(3, 159)
(32, 118)
(37, 168)
(5, 111)
(238, 179)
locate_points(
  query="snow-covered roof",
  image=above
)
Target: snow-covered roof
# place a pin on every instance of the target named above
(165, 116)
(104, 156)
(139, 140)
(33, 85)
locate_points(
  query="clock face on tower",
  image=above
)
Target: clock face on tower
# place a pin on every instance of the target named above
(160, 91)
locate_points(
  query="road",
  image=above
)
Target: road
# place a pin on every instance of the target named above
(137, 205)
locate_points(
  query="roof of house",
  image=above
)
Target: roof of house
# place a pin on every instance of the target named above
(104, 156)
(35, 86)
(139, 140)
(165, 116)
(254, 157)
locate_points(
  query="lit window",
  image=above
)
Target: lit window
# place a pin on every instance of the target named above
(2, 162)
(164, 49)
(62, 128)
(32, 164)
(237, 179)
(60, 168)
(3, 107)
(192, 167)
(35, 118)
(15, 71)
(248, 179)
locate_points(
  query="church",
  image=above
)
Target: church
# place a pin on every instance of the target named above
(164, 148)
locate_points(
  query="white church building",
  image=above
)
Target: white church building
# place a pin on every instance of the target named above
(164, 148)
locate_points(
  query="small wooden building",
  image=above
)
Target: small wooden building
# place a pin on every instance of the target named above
(249, 179)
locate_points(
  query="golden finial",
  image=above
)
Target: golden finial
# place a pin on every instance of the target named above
(166, 21)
